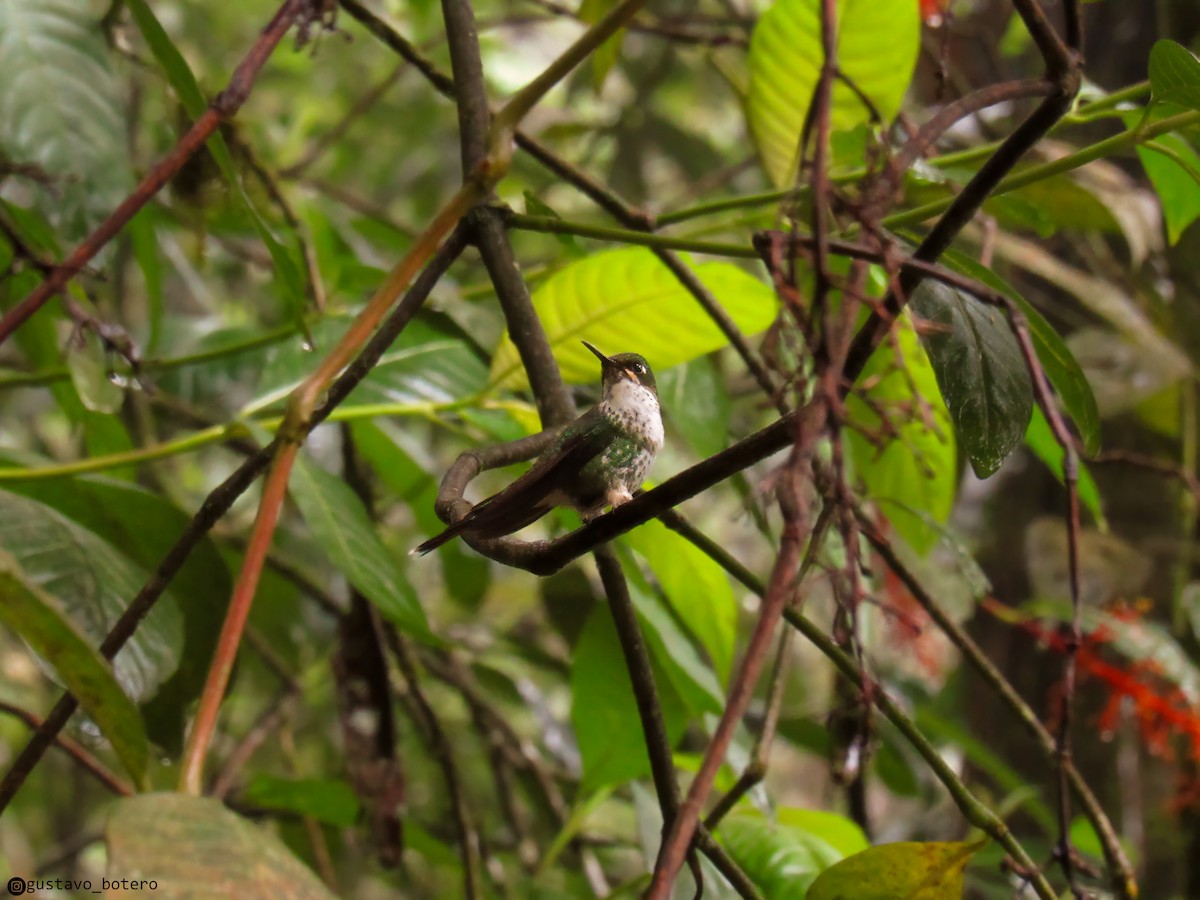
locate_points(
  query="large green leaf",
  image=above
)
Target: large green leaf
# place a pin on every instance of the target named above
(61, 106)
(195, 847)
(980, 370)
(628, 301)
(35, 616)
(93, 582)
(671, 649)
(341, 525)
(781, 860)
(697, 587)
(145, 527)
(1056, 358)
(1174, 74)
(844, 835)
(909, 869)
(428, 363)
(604, 712)
(913, 473)
(877, 45)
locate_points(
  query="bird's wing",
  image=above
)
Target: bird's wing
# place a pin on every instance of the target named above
(530, 496)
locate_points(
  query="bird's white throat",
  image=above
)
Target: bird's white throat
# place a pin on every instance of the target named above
(635, 408)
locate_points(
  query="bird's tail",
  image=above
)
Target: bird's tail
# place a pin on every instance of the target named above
(437, 540)
(489, 519)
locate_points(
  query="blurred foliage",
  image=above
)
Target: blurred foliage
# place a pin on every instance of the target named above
(381, 703)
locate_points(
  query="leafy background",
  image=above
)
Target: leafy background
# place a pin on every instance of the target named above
(260, 250)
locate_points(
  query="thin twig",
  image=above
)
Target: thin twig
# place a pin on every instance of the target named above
(75, 750)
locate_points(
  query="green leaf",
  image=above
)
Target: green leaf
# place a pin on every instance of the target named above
(604, 712)
(781, 860)
(62, 107)
(606, 55)
(1174, 74)
(535, 207)
(428, 363)
(913, 473)
(695, 399)
(401, 460)
(980, 370)
(195, 847)
(908, 869)
(697, 587)
(844, 835)
(1170, 165)
(186, 88)
(671, 649)
(89, 369)
(342, 527)
(143, 240)
(627, 300)
(1056, 358)
(34, 615)
(1042, 443)
(877, 46)
(145, 527)
(324, 799)
(92, 582)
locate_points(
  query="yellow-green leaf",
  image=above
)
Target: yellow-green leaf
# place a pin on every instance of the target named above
(877, 44)
(628, 301)
(907, 870)
(195, 847)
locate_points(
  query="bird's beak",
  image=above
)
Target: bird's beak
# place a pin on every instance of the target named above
(604, 360)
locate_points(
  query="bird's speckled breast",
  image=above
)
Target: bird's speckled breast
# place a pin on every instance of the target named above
(634, 412)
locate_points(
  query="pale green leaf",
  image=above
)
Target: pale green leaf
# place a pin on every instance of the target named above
(93, 582)
(627, 301)
(89, 366)
(606, 55)
(877, 45)
(61, 105)
(33, 614)
(604, 712)
(697, 587)
(781, 860)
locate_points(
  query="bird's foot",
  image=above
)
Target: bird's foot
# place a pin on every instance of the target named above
(617, 496)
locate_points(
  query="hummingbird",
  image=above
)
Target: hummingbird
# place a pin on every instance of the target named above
(599, 460)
